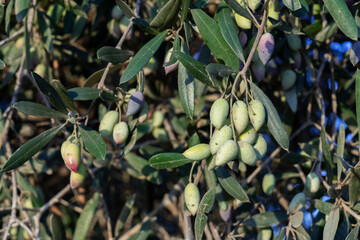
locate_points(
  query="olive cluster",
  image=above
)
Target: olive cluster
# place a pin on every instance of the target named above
(246, 146)
(110, 126)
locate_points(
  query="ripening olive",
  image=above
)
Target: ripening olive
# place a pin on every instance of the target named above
(219, 112)
(120, 132)
(198, 152)
(192, 198)
(108, 122)
(240, 116)
(219, 137)
(227, 152)
(256, 114)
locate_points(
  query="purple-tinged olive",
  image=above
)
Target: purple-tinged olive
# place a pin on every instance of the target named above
(135, 103)
(76, 179)
(266, 47)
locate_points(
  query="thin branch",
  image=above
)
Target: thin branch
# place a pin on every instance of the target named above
(12, 37)
(13, 205)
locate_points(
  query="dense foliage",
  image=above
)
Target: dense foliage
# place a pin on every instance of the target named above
(231, 119)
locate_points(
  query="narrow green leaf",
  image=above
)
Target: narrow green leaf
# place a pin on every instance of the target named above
(231, 185)
(113, 55)
(340, 150)
(176, 47)
(86, 217)
(274, 123)
(216, 70)
(2, 7)
(166, 15)
(125, 9)
(143, 166)
(324, 207)
(78, 28)
(186, 86)
(56, 227)
(144, 231)
(354, 234)
(354, 186)
(332, 224)
(266, 219)
(293, 5)
(27, 45)
(21, 8)
(205, 206)
(8, 16)
(93, 142)
(228, 30)
(343, 18)
(281, 235)
(195, 68)
(72, 6)
(211, 34)
(168, 160)
(49, 91)
(185, 9)
(293, 158)
(2, 64)
(131, 143)
(30, 148)
(45, 30)
(327, 155)
(84, 93)
(194, 140)
(357, 96)
(238, 8)
(142, 57)
(61, 90)
(95, 77)
(36, 109)
(124, 214)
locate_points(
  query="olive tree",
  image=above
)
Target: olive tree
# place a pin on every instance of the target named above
(233, 119)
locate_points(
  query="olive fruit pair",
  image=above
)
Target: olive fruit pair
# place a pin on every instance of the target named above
(71, 154)
(110, 124)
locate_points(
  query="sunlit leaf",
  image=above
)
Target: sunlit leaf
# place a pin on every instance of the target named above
(93, 142)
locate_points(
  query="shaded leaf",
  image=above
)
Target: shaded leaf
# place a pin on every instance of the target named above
(340, 150)
(56, 227)
(49, 91)
(9, 8)
(166, 14)
(185, 9)
(21, 9)
(354, 186)
(168, 160)
(84, 93)
(357, 96)
(343, 18)
(292, 4)
(293, 158)
(2, 64)
(124, 214)
(274, 123)
(45, 30)
(211, 34)
(143, 166)
(61, 90)
(238, 8)
(86, 217)
(142, 57)
(125, 9)
(113, 55)
(30, 148)
(93, 142)
(218, 70)
(332, 224)
(228, 30)
(231, 185)
(327, 155)
(95, 77)
(36, 109)
(2, 7)
(131, 142)
(205, 206)
(354, 234)
(266, 219)
(324, 207)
